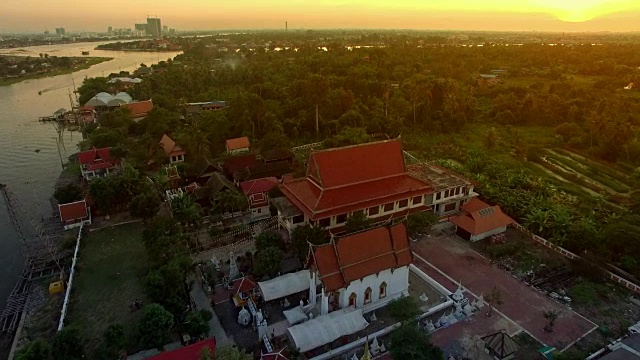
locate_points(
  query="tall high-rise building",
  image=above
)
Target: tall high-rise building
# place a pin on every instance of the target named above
(141, 27)
(110, 29)
(165, 29)
(60, 31)
(154, 27)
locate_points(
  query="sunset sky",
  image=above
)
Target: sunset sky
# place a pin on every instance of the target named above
(541, 15)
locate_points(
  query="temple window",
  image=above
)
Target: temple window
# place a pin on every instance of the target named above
(324, 222)
(367, 295)
(403, 203)
(383, 290)
(341, 219)
(388, 207)
(417, 200)
(352, 299)
(374, 210)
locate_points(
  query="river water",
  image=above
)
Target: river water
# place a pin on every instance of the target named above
(29, 159)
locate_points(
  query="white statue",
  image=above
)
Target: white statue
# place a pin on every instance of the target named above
(234, 273)
(373, 316)
(430, 327)
(286, 303)
(244, 318)
(424, 297)
(375, 347)
(382, 348)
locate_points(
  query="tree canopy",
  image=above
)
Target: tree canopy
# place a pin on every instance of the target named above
(154, 326)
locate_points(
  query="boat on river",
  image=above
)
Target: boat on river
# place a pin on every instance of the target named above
(85, 53)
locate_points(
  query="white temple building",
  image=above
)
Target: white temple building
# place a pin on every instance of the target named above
(365, 270)
(348, 277)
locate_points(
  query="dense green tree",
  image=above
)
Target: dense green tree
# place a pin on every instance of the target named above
(68, 193)
(404, 309)
(92, 86)
(145, 205)
(68, 345)
(267, 262)
(411, 343)
(102, 194)
(154, 326)
(38, 349)
(268, 239)
(230, 353)
(357, 222)
(304, 235)
(114, 342)
(421, 221)
(186, 211)
(197, 323)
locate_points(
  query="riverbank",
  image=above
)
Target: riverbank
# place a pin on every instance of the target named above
(78, 63)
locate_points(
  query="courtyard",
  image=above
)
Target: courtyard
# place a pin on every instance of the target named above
(450, 260)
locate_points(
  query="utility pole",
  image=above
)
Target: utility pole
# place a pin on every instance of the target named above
(317, 122)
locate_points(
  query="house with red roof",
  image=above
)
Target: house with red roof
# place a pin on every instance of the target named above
(189, 352)
(139, 109)
(74, 214)
(97, 163)
(238, 145)
(480, 220)
(370, 178)
(365, 269)
(257, 193)
(174, 152)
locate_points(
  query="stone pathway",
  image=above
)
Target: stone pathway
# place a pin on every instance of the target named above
(203, 301)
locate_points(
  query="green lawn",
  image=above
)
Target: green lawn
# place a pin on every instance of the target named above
(111, 268)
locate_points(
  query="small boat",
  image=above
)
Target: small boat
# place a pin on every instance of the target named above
(85, 53)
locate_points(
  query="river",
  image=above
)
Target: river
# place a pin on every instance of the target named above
(29, 160)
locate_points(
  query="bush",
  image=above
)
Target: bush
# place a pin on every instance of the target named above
(154, 326)
(35, 350)
(68, 194)
(68, 345)
(404, 309)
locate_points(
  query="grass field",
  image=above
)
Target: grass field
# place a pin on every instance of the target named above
(112, 264)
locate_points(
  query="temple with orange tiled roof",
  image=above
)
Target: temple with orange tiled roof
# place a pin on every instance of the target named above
(370, 178)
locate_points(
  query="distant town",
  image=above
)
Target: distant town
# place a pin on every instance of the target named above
(343, 195)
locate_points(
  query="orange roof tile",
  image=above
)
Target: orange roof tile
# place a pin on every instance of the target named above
(170, 147)
(320, 203)
(362, 254)
(139, 108)
(481, 219)
(356, 164)
(238, 143)
(73, 211)
(474, 205)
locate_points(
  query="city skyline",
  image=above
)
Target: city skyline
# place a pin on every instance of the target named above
(499, 15)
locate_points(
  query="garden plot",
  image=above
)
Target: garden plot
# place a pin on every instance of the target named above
(607, 178)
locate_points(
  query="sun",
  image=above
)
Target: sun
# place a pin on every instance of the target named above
(584, 10)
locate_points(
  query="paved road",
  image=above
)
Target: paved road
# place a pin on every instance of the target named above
(203, 302)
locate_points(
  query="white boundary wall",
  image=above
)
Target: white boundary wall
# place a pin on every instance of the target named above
(67, 296)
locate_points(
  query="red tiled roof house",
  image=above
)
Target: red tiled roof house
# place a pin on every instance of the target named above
(97, 163)
(189, 352)
(371, 178)
(238, 145)
(139, 109)
(257, 193)
(480, 220)
(74, 214)
(364, 270)
(174, 152)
